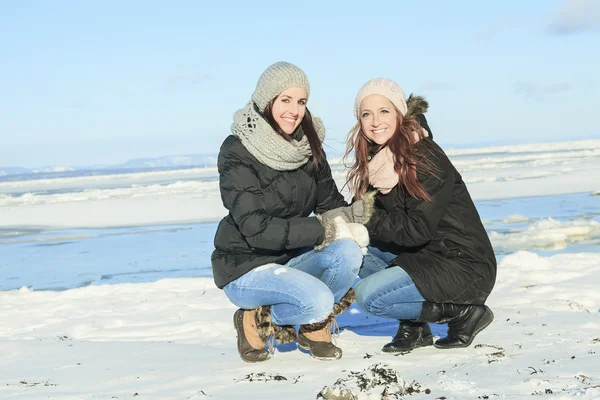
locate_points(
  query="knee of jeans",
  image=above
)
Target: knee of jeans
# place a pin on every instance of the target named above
(350, 254)
(374, 305)
(318, 306)
(361, 294)
(368, 301)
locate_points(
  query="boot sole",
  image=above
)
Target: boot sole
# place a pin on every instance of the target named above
(483, 323)
(428, 342)
(307, 348)
(239, 344)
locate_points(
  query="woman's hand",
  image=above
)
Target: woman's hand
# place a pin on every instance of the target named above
(358, 212)
(336, 228)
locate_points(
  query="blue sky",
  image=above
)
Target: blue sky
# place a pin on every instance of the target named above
(102, 82)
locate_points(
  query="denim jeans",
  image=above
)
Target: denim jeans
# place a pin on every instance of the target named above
(389, 293)
(375, 260)
(303, 290)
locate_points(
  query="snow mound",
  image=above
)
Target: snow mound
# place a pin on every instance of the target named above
(376, 382)
(547, 234)
(515, 219)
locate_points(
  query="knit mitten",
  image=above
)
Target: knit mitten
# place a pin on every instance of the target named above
(360, 234)
(334, 229)
(358, 212)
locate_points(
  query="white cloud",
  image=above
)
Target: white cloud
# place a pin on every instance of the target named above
(539, 91)
(576, 16)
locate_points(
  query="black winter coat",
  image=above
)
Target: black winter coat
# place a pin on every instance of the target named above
(442, 244)
(268, 220)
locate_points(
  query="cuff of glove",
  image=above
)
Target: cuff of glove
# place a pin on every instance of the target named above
(329, 231)
(368, 200)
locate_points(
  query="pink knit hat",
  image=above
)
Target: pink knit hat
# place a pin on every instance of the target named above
(385, 87)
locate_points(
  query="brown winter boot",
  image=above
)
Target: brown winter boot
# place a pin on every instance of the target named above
(282, 333)
(345, 303)
(252, 331)
(316, 338)
(285, 333)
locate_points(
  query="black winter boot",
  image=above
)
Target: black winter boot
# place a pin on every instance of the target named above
(410, 335)
(317, 339)
(465, 321)
(462, 329)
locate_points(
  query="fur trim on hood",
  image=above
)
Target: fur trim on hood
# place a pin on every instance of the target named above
(416, 105)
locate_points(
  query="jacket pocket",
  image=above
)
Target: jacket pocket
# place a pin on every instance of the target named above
(445, 250)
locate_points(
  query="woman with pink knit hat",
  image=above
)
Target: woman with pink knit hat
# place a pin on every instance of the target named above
(430, 259)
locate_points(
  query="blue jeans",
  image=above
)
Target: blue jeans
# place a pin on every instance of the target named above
(375, 260)
(389, 293)
(304, 290)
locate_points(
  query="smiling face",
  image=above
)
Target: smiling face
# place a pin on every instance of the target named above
(289, 109)
(378, 118)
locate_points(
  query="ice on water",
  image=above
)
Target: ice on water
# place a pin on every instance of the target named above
(74, 231)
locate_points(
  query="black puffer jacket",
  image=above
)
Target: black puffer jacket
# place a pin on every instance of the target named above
(442, 244)
(269, 211)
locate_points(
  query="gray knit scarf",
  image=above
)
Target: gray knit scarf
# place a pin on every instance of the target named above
(259, 138)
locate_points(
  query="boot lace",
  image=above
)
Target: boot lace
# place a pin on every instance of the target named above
(334, 328)
(271, 340)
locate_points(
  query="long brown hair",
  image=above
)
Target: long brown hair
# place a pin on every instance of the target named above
(316, 147)
(403, 146)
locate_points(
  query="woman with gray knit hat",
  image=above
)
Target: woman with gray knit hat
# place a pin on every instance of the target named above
(280, 265)
(434, 259)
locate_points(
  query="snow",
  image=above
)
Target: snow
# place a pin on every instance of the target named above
(551, 147)
(547, 233)
(56, 168)
(515, 218)
(173, 338)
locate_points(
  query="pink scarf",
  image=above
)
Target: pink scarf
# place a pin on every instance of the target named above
(382, 175)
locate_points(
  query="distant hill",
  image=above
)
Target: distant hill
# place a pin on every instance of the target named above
(13, 171)
(164, 162)
(190, 160)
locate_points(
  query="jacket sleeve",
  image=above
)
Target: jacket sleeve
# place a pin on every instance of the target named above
(328, 196)
(414, 222)
(242, 195)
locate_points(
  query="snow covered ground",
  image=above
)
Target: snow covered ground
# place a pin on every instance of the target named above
(174, 339)
(141, 319)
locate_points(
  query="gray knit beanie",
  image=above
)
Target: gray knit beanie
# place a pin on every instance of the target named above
(385, 87)
(277, 78)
